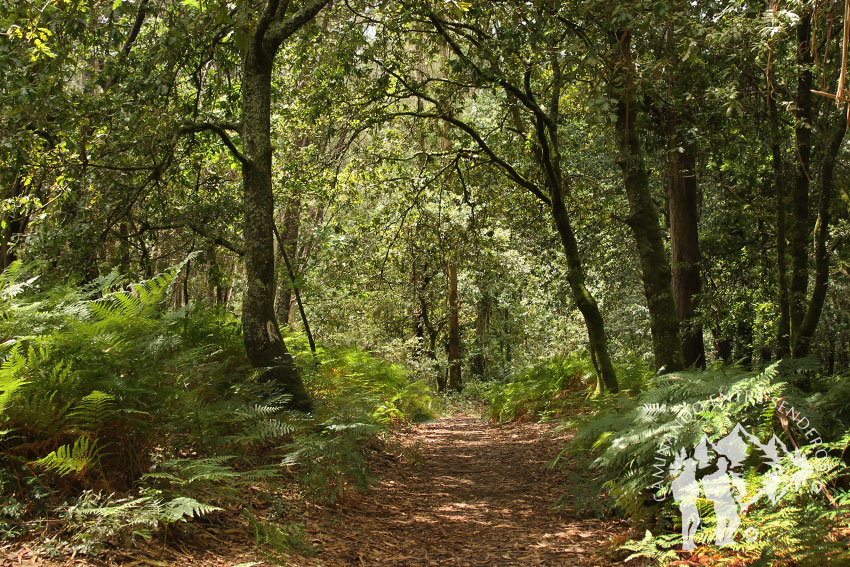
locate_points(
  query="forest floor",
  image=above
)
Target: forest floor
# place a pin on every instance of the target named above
(469, 494)
(455, 492)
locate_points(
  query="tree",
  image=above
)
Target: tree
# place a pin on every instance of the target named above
(265, 26)
(478, 50)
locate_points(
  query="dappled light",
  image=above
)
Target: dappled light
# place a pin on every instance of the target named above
(475, 494)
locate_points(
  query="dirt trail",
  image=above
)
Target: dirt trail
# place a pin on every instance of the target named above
(466, 494)
(474, 494)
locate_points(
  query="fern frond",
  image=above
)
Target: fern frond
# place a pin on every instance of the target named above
(181, 508)
(69, 459)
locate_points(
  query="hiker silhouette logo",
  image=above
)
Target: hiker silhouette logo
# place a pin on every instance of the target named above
(712, 471)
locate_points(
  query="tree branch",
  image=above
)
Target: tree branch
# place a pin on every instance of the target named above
(199, 230)
(509, 87)
(511, 172)
(280, 30)
(220, 130)
(137, 26)
(263, 23)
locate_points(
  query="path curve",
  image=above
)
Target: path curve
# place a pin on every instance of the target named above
(469, 494)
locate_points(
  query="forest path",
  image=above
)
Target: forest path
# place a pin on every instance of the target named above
(468, 494)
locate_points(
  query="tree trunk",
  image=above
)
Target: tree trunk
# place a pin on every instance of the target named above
(454, 382)
(684, 246)
(482, 321)
(606, 377)
(289, 241)
(15, 224)
(827, 180)
(783, 331)
(655, 267)
(424, 324)
(418, 323)
(263, 341)
(290, 271)
(800, 189)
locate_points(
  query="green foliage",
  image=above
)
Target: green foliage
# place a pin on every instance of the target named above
(353, 382)
(542, 390)
(279, 538)
(330, 461)
(104, 385)
(74, 458)
(96, 519)
(82, 381)
(627, 437)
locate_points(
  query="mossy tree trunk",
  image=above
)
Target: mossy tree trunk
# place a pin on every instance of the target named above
(799, 246)
(814, 308)
(643, 220)
(684, 245)
(783, 331)
(266, 26)
(586, 303)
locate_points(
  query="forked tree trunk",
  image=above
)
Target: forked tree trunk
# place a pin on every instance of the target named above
(266, 27)
(263, 341)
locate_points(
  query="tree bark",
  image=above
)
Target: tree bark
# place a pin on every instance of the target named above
(684, 246)
(783, 331)
(482, 321)
(799, 248)
(821, 254)
(586, 303)
(655, 267)
(455, 383)
(263, 341)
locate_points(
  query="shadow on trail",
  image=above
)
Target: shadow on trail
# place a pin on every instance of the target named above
(476, 494)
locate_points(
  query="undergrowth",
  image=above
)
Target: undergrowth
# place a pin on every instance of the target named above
(552, 388)
(627, 445)
(125, 418)
(633, 443)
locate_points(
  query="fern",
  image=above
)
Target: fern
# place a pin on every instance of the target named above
(11, 379)
(91, 412)
(69, 459)
(181, 508)
(625, 437)
(97, 519)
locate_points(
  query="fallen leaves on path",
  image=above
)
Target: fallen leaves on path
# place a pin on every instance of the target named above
(465, 494)
(475, 494)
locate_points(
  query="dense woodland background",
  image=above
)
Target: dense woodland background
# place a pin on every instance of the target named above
(218, 216)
